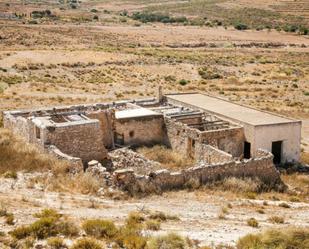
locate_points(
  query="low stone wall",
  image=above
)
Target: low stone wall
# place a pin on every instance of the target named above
(211, 155)
(76, 164)
(163, 180)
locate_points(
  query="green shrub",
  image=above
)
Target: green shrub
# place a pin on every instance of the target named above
(170, 241)
(87, 243)
(183, 82)
(100, 228)
(209, 74)
(240, 26)
(157, 17)
(252, 222)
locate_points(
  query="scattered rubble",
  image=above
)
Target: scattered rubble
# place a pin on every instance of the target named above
(125, 158)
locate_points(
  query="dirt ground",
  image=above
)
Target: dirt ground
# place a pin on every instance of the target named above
(75, 58)
(198, 210)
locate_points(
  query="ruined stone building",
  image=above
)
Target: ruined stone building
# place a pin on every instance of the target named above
(224, 138)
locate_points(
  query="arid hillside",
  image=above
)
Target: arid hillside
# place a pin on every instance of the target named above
(58, 52)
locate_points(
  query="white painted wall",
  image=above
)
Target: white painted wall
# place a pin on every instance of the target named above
(289, 133)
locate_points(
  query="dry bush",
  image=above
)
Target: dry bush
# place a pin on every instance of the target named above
(100, 228)
(283, 239)
(167, 157)
(17, 155)
(252, 222)
(56, 243)
(88, 243)
(246, 185)
(170, 241)
(153, 225)
(158, 215)
(298, 182)
(276, 219)
(48, 225)
(305, 157)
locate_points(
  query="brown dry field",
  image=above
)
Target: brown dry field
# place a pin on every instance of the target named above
(72, 60)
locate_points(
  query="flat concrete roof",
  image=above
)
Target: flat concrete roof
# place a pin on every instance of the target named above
(230, 110)
(135, 113)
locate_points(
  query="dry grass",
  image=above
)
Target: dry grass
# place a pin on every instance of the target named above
(167, 157)
(16, 155)
(305, 157)
(287, 238)
(246, 185)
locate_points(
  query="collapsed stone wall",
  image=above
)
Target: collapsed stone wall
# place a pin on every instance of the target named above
(19, 125)
(125, 158)
(75, 163)
(163, 180)
(229, 140)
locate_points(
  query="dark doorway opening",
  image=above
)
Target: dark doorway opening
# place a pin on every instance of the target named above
(119, 138)
(276, 149)
(247, 150)
(191, 147)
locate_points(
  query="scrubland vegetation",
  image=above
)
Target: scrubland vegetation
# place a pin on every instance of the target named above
(97, 51)
(167, 157)
(58, 230)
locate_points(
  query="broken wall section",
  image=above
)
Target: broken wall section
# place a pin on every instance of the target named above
(192, 142)
(164, 180)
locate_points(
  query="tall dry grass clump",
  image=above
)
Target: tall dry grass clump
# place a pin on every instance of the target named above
(283, 239)
(238, 185)
(16, 155)
(169, 158)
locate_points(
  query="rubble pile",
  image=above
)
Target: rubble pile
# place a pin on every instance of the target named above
(96, 169)
(125, 158)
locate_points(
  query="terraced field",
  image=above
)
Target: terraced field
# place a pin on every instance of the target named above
(296, 7)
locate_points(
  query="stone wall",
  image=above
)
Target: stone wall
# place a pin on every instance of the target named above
(186, 140)
(230, 140)
(141, 130)
(75, 163)
(78, 139)
(210, 154)
(163, 180)
(19, 125)
(106, 119)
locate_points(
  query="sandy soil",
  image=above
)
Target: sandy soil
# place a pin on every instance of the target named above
(198, 211)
